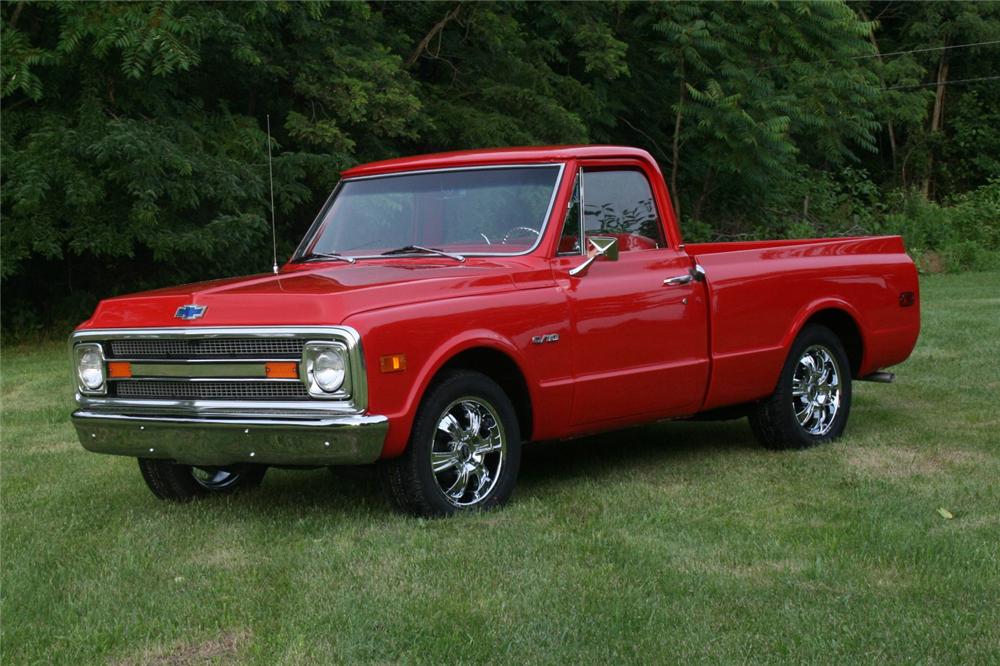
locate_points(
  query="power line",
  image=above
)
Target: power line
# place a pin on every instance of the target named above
(933, 48)
(946, 83)
(882, 55)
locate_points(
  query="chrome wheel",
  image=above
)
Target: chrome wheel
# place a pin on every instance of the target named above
(816, 390)
(214, 478)
(468, 451)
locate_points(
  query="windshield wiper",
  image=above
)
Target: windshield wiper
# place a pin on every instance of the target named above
(415, 249)
(328, 255)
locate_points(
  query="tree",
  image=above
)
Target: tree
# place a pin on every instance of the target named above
(133, 152)
(752, 90)
(931, 42)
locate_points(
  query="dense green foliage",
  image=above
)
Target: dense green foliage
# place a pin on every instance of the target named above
(134, 153)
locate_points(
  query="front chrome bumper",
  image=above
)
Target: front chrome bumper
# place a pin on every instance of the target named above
(336, 440)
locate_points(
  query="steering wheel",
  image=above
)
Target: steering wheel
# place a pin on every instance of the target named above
(506, 236)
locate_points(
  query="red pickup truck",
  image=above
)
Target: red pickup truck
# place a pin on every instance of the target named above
(445, 309)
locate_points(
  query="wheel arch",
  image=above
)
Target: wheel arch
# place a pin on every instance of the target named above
(505, 371)
(844, 322)
(482, 351)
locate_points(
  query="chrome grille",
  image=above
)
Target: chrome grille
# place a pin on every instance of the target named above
(233, 348)
(220, 390)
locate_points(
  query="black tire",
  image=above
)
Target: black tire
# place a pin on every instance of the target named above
(774, 421)
(409, 481)
(183, 483)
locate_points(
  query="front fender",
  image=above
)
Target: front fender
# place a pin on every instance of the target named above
(431, 334)
(464, 341)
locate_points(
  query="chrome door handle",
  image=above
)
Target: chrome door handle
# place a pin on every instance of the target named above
(696, 274)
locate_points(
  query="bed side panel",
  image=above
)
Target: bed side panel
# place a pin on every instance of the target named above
(761, 296)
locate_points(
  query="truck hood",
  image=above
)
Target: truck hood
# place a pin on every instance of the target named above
(304, 294)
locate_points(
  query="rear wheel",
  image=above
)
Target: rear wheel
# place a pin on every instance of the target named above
(183, 483)
(464, 450)
(812, 401)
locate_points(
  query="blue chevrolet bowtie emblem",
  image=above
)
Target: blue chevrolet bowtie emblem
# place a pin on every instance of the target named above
(190, 311)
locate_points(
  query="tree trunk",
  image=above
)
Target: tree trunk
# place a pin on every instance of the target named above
(937, 120)
(17, 14)
(706, 189)
(677, 147)
(438, 27)
(878, 56)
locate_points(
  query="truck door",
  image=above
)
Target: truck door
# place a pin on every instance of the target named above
(640, 346)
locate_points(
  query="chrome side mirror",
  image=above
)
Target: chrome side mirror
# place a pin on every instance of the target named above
(600, 246)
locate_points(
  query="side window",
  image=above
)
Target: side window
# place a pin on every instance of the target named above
(569, 241)
(620, 203)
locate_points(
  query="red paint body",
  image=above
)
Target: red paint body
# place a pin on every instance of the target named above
(630, 350)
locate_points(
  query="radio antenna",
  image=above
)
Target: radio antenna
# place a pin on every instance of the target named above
(270, 175)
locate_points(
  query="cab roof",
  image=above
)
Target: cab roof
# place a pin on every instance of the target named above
(493, 156)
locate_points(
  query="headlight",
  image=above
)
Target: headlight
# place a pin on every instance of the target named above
(328, 371)
(90, 368)
(325, 368)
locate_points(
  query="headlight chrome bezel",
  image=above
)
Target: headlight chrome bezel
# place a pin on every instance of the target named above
(80, 351)
(311, 353)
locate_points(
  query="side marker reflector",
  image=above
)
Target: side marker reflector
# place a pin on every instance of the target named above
(392, 363)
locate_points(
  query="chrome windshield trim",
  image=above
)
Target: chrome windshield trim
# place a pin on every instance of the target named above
(481, 167)
(314, 228)
(338, 403)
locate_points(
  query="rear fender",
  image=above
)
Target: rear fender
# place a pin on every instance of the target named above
(810, 310)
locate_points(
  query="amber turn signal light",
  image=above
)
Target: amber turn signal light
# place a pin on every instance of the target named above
(392, 363)
(281, 370)
(119, 369)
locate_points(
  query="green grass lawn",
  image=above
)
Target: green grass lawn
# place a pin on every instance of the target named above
(670, 543)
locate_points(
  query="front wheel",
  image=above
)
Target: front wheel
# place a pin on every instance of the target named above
(813, 398)
(183, 483)
(464, 450)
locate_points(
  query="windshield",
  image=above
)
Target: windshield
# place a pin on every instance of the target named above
(491, 211)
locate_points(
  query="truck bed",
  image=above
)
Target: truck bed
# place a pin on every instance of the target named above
(761, 293)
